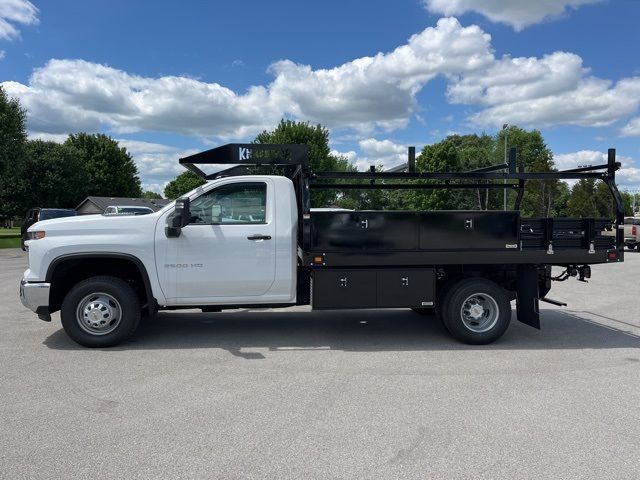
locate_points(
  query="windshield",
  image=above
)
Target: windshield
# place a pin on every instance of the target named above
(56, 213)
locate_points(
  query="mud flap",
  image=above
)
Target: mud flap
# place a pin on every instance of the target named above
(527, 295)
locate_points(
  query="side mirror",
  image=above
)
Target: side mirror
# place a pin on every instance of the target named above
(179, 218)
(182, 211)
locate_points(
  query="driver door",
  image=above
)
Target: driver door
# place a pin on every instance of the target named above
(226, 254)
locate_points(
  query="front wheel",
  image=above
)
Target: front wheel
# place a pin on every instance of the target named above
(477, 311)
(100, 312)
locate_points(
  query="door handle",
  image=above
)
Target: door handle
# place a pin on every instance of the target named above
(259, 237)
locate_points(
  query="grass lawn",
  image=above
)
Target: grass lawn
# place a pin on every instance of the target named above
(9, 242)
(9, 237)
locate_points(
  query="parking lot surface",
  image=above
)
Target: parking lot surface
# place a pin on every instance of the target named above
(321, 395)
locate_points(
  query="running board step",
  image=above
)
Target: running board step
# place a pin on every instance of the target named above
(553, 302)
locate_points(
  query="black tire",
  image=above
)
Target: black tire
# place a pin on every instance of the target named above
(442, 300)
(483, 323)
(101, 294)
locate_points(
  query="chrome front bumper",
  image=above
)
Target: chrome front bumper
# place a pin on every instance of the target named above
(35, 296)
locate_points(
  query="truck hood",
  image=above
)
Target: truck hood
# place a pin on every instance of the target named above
(96, 224)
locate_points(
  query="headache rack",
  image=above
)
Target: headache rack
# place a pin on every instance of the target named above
(558, 241)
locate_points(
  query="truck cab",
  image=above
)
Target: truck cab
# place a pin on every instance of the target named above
(237, 246)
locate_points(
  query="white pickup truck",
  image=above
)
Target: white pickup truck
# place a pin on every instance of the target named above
(632, 232)
(252, 241)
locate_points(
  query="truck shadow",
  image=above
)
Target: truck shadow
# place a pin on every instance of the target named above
(355, 331)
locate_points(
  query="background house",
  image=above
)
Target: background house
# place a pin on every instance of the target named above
(93, 205)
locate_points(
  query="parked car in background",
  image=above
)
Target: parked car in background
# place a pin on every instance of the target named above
(127, 210)
(37, 214)
(632, 232)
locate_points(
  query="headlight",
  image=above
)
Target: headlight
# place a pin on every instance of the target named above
(37, 235)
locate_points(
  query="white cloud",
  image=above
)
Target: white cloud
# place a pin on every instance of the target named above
(545, 91)
(364, 94)
(375, 152)
(2, 54)
(631, 129)
(73, 95)
(564, 161)
(382, 152)
(379, 91)
(48, 137)
(16, 11)
(509, 80)
(350, 155)
(381, 148)
(593, 102)
(157, 163)
(519, 14)
(628, 176)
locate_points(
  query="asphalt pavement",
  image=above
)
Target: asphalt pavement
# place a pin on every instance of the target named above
(294, 394)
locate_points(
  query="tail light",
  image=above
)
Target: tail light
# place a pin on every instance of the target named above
(634, 230)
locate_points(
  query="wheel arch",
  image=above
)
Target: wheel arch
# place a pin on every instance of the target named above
(67, 270)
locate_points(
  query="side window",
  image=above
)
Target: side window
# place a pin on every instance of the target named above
(236, 203)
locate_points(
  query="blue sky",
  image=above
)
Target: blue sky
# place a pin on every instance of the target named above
(168, 79)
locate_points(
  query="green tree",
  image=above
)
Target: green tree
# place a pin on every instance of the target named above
(604, 201)
(582, 199)
(627, 200)
(112, 171)
(470, 152)
(533, 155)
(56, 175)
(182, 184)
(13, 138)
(476, 151)
(320, 156)
(440, 157)
(560, 205)
(148, 194)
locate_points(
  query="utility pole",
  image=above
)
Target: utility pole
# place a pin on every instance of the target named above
(504, 129)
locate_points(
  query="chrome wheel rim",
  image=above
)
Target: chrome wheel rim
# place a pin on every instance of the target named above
(479, 312)
(99, 313)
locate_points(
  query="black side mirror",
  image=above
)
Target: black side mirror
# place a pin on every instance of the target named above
(179, 218)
